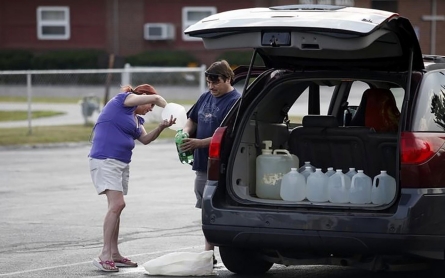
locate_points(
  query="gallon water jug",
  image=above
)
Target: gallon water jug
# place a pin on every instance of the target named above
(361, 186)
(330, 171)
(338, 188)
(317, 187)
(306, 164)
(293, 186)
(383, 189)
(178, 112)
(271, 166)
(307, 171)
(351, 173)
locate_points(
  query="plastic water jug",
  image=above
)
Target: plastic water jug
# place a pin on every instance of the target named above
(361, 186)
(307, 171)
(293, 186)
(351, 173)
(317, 187)
(186, 157)
(271, 166)
(306, 164)
(178, 112)
(330, 171)
(338, 188)
(383, 189)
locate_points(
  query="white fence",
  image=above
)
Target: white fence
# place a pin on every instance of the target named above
(170, 82)
(173, 83)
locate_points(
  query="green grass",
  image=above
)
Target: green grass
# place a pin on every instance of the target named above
(19, 115)
(58, 134)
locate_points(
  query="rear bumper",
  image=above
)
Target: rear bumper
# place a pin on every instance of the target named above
(416, 228)
(326, 242)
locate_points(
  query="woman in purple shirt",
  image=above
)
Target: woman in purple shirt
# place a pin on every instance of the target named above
(116, 129)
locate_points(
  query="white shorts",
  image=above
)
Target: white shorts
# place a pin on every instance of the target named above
(109, 174)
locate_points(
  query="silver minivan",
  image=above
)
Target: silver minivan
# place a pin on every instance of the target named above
(337, 87)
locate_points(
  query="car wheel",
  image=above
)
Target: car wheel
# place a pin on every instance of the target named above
(243, 261)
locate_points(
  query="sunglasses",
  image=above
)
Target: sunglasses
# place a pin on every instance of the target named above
(212, 77)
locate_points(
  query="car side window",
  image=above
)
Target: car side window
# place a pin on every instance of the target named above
(429, 112)
(359, 87)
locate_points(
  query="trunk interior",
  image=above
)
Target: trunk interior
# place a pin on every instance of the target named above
(322, 121)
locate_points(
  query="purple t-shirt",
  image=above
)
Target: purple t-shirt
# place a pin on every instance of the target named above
(116, 130)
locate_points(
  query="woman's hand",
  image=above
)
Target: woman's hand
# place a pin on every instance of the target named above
(167, 123)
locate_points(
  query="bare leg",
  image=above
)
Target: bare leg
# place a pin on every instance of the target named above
(116, 204)
(114, 242)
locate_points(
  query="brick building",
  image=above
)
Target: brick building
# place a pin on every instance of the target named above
(131, 27)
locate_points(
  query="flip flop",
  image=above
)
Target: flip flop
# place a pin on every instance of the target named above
(100, 265)
(125, 262)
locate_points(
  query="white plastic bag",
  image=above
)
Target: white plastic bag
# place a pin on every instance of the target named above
(181, 264)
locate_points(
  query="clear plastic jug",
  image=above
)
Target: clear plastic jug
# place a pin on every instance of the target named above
(383, 189)
(330, 171)
(270, 169)
(306, 164)
(317, 187)
(307, 171)
(361, 186)
(178, 112)
(339, 185)
(293, 186)
(351, 173)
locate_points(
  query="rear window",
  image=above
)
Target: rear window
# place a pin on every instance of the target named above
(429, 112)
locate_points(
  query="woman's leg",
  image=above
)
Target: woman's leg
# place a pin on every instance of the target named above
(114, 243)
(116, 204)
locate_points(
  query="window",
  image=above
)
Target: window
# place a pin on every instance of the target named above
(53, 23)
(191, 15)
(430, 109)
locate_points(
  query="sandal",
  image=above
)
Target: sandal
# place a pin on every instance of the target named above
(100, 265)
(125, 262)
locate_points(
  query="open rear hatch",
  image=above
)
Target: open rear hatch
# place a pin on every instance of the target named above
(302, 36)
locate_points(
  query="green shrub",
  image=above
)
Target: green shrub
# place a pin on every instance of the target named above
(15, 59)
(68, 59)
(161, 58)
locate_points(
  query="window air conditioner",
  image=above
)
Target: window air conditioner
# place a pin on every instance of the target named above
(159, 31)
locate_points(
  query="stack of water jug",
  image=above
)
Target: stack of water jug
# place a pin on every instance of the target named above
(275, 181)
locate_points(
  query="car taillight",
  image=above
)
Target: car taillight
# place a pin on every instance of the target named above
(417, 147)
(214, 153)
(215, 143)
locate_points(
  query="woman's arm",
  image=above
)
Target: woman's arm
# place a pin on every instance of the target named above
(146, 138)
(135, 100)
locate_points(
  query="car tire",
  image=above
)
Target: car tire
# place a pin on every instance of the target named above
(243, 261)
